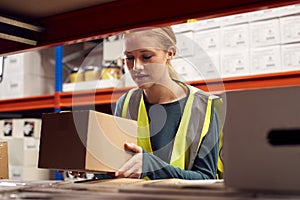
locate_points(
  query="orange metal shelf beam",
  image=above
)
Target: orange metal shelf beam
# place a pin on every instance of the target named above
(28, 103)
(280, 79)
(108, 96)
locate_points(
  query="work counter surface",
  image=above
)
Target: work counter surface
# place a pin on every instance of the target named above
(129, 189)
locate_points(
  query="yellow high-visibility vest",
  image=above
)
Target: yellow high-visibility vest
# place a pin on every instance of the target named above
(193, 127)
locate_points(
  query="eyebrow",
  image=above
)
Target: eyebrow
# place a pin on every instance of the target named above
(142, 51)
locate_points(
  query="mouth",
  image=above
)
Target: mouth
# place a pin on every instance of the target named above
(139, 76)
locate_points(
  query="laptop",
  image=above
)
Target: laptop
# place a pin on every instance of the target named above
(261, 146)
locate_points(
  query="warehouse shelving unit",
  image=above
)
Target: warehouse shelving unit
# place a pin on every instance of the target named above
(104, 96)
(106, 18)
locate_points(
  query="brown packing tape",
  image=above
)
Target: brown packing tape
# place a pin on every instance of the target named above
(3, 161)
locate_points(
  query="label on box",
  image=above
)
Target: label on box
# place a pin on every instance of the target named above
(7, 128)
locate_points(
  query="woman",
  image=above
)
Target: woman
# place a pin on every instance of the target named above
(179, 129)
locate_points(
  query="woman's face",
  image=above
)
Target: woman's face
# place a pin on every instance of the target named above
(145, 60)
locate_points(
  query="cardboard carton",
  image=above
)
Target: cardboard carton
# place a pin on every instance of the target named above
(85, 141)
(3, 161)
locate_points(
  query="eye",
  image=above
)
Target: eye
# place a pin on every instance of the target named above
(129, 57)
(146, 57)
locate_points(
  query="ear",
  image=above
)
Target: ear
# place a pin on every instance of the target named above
(171, 52)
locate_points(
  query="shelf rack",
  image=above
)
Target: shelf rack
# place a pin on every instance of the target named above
(105, 19)
(109, 95)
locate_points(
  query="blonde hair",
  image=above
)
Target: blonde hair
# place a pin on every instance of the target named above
(166, 38)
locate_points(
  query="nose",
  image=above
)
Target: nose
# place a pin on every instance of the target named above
(138, 65)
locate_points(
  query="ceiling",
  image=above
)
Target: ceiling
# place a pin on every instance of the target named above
(31, 10)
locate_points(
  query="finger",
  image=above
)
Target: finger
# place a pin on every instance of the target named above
(132, 147)
(134, 172)
(132, 166)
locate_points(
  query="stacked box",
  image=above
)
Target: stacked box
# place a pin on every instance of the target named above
(290, 54)
(4, 161)
(185, 44)
(235, 64)
(290, 29)
(265, 60)
(264, 33)
(23, 138)
(24, 76)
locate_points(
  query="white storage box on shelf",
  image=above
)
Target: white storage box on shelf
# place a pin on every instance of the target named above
(289, 10)
(185, 44)
(16, 86)
(24, 63)
(208, 40)
(290, 55)
(235, 63)
(235, 37)
(23, 151)
(28, 173)
(24, 76)
(265, 60)
(290, 29)
(186, 69)
(208, 66)
(264, 33)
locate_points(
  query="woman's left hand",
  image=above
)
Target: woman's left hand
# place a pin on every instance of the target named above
(133, 167)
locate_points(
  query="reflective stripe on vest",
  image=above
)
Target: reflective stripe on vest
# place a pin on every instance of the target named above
(179, 157)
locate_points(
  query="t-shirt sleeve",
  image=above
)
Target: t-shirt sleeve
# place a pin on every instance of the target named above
(119, 105)
(205, 164)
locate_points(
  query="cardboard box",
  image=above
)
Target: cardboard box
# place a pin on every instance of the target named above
(235, 37)
(185, 44)
(24, 63)
(264, 33)
(3, 161)
(28, 173)
(208, 40)
(24, 85)
(85, 141)
(186, 69)
(265, 60)
(290, 55)
(290, 29)
(235, 64)
(23, 151)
